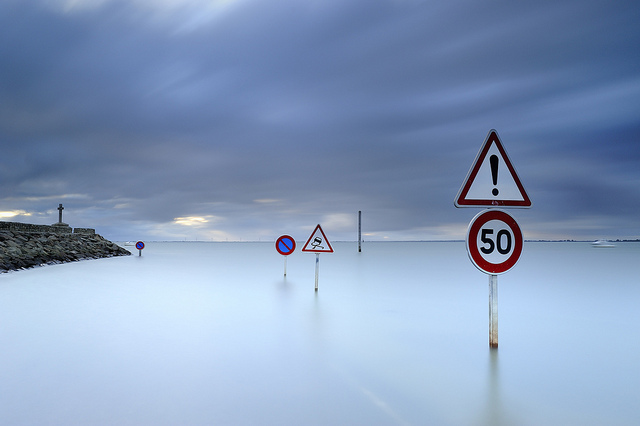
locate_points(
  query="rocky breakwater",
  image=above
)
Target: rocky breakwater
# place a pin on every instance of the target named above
(19, 249)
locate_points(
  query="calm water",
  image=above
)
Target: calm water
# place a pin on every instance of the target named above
(213, 334)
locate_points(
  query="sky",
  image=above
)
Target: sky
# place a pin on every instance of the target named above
(242, 120)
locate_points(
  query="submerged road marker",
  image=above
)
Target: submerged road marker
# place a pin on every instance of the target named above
(494, 239)
(139, 246)
(285, 245)
(494, 244)
(359, 231)
(317, 243)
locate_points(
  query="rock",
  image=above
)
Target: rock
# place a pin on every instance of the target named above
(20, 250)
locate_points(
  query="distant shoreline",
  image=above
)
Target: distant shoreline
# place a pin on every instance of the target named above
(382, 241)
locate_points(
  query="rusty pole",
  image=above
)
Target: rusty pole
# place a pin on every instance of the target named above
(493, 311)
(359, 231)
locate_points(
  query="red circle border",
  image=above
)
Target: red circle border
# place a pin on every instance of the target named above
(278, 243)
(472, 235)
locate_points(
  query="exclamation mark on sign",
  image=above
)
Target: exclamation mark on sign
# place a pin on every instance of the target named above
(494, 160)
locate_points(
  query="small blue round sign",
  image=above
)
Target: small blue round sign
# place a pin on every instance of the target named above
(285, 245)
(139, 245)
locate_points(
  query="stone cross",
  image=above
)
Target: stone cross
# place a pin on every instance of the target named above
(60, 208)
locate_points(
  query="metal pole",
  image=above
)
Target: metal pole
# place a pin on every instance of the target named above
(493, 311)
(359, 231)
(285, 266)
(317, 268)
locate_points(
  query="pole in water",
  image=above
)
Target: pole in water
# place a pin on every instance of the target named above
(317, 268)
(359, 231)
(493, 311)
(140, 246)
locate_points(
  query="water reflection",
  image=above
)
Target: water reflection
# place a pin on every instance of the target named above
(378, 344)
(496, 413)
(284, 286)
(317, 329)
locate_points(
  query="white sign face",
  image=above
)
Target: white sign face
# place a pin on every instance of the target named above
(492, 180)
(494, 241)
(318, 242)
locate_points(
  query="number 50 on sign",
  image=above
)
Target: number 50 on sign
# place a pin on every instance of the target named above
(494, 241)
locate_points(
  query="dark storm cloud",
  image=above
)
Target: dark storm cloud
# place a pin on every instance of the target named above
(262, 115)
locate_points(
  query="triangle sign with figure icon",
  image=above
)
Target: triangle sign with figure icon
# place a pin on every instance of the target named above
(318, 242)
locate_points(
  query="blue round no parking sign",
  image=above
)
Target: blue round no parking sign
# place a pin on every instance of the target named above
(285, 245)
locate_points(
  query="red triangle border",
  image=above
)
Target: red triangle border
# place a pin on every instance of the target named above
(325, 239)
(461, 200)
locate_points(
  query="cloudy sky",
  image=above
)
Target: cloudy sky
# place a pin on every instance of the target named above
(247, 119)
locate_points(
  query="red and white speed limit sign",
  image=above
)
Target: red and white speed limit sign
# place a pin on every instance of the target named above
(494, 241)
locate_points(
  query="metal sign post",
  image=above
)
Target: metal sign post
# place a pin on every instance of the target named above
(493, 311)
(494, 239)
(359, 231)
(494, 244)
(317, 243)
(317, 268)
(285, 245)
(140, 246)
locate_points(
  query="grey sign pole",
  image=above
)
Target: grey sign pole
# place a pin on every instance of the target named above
(317, 268)
(359, 231)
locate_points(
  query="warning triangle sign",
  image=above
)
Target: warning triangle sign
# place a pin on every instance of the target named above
(318, 242)
(492, 180)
